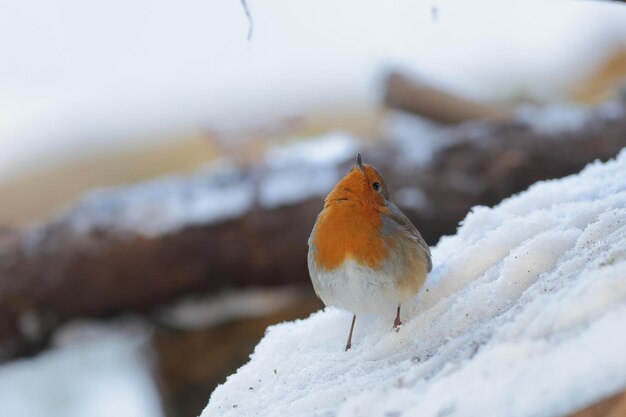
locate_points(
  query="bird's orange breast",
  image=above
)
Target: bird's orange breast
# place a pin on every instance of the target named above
(346, 229)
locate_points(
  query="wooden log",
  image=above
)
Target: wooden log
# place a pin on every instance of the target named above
(613, 406)
(410, 95)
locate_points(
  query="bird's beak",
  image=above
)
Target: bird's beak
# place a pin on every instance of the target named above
(359, 163)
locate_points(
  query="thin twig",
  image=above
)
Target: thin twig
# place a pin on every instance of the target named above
(244, 3)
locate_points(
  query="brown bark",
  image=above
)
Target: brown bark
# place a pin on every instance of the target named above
(613, 406)
(404, 93)
(54, 273)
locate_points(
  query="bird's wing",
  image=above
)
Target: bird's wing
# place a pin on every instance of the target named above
(396, 221)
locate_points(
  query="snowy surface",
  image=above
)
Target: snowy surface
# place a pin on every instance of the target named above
(563, 118)
(94, 370)
(523, 315)
(416, 138)
(208, 311)
(166, 204)
(304, 169)
(555, 118)
(292, 172)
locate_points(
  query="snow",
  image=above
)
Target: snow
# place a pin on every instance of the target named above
(166, 204)
(404, 130)
(566, 117)
(554, 118)
(203, 312)
(221, 191)
(94, 370)
(523, 315)
(329, 149)
(304, 169)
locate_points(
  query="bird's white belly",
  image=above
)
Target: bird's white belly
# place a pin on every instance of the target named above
(358, 288)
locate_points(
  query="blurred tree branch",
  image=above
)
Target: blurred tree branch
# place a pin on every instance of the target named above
(246, 9)
(410, 95)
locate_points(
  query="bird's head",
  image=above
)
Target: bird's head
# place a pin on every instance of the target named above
(363, 183)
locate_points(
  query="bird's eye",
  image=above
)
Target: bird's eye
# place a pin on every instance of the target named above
(376, 186)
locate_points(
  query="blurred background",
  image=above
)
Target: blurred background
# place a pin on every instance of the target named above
(162, 164)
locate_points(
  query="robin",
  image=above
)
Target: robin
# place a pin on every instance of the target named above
(365, 255)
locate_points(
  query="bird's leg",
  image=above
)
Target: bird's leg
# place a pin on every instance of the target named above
(349, 344)
(397, 322)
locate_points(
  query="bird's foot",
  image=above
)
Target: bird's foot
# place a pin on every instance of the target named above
(396, 324)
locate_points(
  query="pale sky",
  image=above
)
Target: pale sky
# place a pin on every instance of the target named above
(85, 76)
